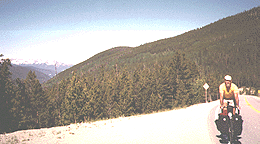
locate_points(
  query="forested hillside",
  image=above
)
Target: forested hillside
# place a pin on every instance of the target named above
(107, 94)
(125, 81)
(109, 57)
(228, 46)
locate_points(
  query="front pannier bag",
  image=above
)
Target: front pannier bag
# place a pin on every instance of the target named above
(222, 124)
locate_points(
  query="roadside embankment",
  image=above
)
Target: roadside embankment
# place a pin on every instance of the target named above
(187, 125)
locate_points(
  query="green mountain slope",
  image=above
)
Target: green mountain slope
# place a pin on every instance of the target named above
(227, 46)
(110, 57)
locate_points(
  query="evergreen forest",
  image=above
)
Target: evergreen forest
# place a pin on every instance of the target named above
(124, 81)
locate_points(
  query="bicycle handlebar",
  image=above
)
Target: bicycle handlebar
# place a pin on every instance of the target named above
(236, 108)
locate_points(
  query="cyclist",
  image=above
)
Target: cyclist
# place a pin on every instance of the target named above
(228, 91)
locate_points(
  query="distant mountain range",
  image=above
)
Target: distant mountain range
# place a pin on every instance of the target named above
(41, 64)
(44, 70)
(22, 71)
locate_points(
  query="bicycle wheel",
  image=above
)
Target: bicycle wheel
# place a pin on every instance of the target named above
(231, 131)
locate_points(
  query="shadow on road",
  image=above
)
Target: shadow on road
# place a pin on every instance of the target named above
(225, 140)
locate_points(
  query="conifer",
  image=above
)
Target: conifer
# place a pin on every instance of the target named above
(6, 95)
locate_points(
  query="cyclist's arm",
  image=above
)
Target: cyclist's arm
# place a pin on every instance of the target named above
(221, 99)
(236, 96)
(237, 99)
(221, 96)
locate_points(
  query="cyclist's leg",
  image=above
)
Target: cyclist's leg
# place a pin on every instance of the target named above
(234, 109)
(232, 102)
(225, 107)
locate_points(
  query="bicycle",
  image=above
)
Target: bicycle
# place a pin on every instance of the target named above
(230, 120)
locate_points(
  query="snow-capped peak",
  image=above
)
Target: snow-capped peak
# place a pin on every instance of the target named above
(36, 61)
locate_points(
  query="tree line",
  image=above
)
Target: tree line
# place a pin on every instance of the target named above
(227, 46)
(25, 104)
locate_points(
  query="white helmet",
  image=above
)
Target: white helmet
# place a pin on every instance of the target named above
(228, 78)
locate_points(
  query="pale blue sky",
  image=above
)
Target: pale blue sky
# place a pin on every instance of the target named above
(73, 31)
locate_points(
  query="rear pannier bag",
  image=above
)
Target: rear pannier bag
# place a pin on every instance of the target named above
(238, 124)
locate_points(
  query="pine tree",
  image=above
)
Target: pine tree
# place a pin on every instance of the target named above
(73, 101)
(138, 87)
(126, 93)
(6, 95)
(55, 96)
(186, 72)
(143, 98)
(169, 84)
(87, 109)
(109, 94)
(19, 104)
(51, 106)
(96, 102)
(159, 86)
(35, 107)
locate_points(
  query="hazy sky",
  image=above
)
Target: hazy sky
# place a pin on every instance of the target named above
(72, 31)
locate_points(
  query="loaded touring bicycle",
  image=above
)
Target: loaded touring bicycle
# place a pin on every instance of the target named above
(229, 122)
